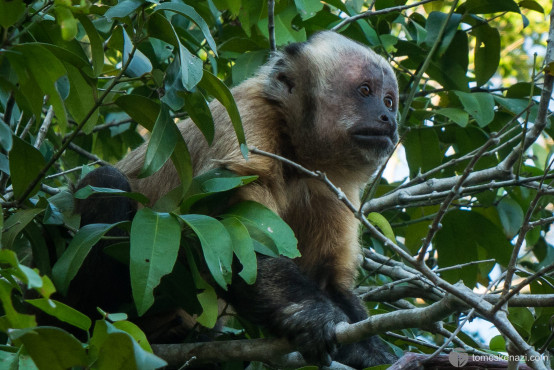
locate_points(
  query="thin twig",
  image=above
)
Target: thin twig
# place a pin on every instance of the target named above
(44, 127)
(369, 13)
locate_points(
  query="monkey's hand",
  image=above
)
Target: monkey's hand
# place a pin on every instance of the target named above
(310, 327)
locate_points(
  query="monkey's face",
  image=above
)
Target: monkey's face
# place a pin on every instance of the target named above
(359, 107)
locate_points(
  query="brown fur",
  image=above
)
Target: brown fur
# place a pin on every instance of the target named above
(305, 104)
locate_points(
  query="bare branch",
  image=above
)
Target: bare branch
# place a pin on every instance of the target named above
(271, 24)
(369, 13)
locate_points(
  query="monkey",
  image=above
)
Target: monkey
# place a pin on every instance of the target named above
(329, 104)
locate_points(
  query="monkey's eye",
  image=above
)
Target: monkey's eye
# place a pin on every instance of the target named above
(364, 90)
(388, 102)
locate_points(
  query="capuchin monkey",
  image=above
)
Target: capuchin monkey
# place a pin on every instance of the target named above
(329, 104)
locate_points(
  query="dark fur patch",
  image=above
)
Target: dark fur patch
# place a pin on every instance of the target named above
(294, 49)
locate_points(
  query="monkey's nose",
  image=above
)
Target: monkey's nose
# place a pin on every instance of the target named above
(384, 118)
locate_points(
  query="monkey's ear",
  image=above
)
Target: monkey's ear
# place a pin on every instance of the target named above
(285, 79)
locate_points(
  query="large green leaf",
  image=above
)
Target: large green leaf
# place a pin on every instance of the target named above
(81, 99)
(139, 64)
(143, 110)
(16, 223)
(487, 52)
(10, 12)
(489, 6)
(66, 268)
(435, 23)
(5, 137)
(96, 47)
(52, 348)
(254, 215)
(46, 69)
(62, 312)
(189, 12)
(422, 150)
(216, 246)
(12, 318)
(479, 105)
(114, 348)
(216, 88)
(161, 144)
(26, 162)
(200, 113)
(243, 248)
(154, 246)
(123, 8)
(511, 216)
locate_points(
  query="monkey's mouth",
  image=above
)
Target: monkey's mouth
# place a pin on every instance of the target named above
(373, 136)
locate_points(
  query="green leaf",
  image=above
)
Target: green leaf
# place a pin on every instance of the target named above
(189, 12)
(532, 5)
(210, 308)
(457, 115)
(134, 331)
(433, 26)
(67, 266)
(52, 348)
(217, 89)
(123, 8)
(10, 12)
(88, 190)
(511, 216)
(81, 99)
(201, 115)
(247, 64)
(161, 143)
(14, 318)
(422, 150)
(26, 162)
(308, 9)
(96, 46)
(45, 69)
(243, 248)
(5, 136)
(479, 105)
(66, 21)
(62, 312)
(487, 52)
(16, 223)
(497, 344)
(117, 349)
(257, 216)
(489, 6)
(141, 109)
(140, 64)
(378, 220)
(155, 241)
(214, 181)
(216, 246)
(522, 319)
(454, 250)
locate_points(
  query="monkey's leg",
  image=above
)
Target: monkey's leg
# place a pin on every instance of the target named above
(366, 353)
(290, 305)
(102, 281)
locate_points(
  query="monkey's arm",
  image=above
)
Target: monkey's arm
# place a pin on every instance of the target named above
(289, 305)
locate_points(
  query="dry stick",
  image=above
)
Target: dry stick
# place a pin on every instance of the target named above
(271, 24)
(44, 127)
(79, 127)
(505, 298)
(369, 13)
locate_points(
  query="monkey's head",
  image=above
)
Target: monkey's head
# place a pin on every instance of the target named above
(339, 100)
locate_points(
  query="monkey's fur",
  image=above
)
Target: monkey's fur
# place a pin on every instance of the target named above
(329, 104)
